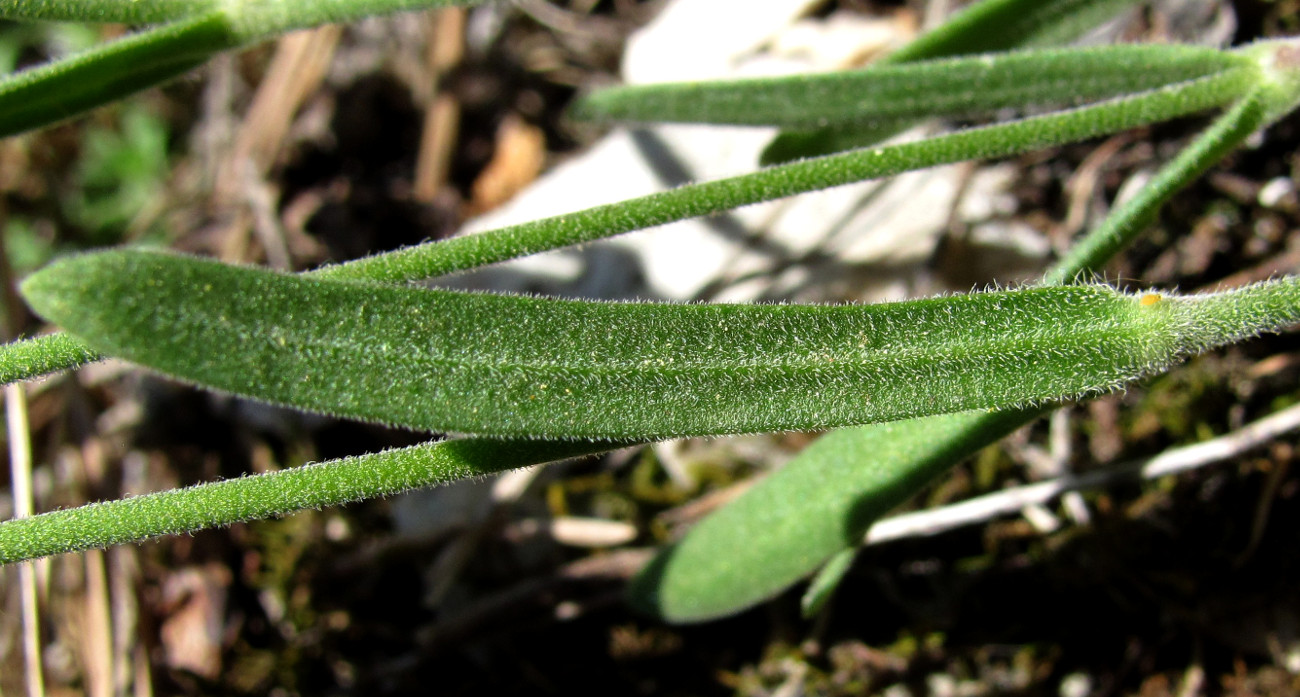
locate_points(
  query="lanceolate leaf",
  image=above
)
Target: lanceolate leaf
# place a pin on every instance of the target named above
(56, 91)
(981, 27)
(526, 367)
(901, 94)
(470, 251)
(994, 25)
(797, 518)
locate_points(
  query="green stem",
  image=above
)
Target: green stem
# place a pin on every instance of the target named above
(249, 20)
(30, 358)
(1119, 229)
(273, 494)
(1000, 140)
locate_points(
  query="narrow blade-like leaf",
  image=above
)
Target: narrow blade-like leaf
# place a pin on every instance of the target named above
(900, 94)
(995, 25)
(56, 91)
(798, 517)
(981, 27)
(516, 367)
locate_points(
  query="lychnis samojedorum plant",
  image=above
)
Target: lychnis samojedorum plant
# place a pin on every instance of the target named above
(534, 380)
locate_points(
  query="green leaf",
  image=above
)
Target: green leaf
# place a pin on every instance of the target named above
(273, 494)
(995, 25)
(55, 91)
(990, 25)
(527, 367)
(470, 251)
(893, 95)
(799, 517)
(65, 88)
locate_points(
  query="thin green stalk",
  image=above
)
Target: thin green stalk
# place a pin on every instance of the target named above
(1119, 230)
(30, 358)
(273, 494)
(822, 587)
(999, 140)
(249, 20)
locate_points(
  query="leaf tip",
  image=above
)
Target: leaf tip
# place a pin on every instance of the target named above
(66, 288)
(49, 289)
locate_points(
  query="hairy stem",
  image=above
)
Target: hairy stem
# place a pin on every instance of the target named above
(273, 494)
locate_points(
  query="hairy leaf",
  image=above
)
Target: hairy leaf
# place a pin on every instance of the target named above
(798, 517)
(901, 94)
(981, 27)
(55, 91)
(526, 367)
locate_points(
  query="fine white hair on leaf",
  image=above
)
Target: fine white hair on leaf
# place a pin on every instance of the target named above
(528, 367)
